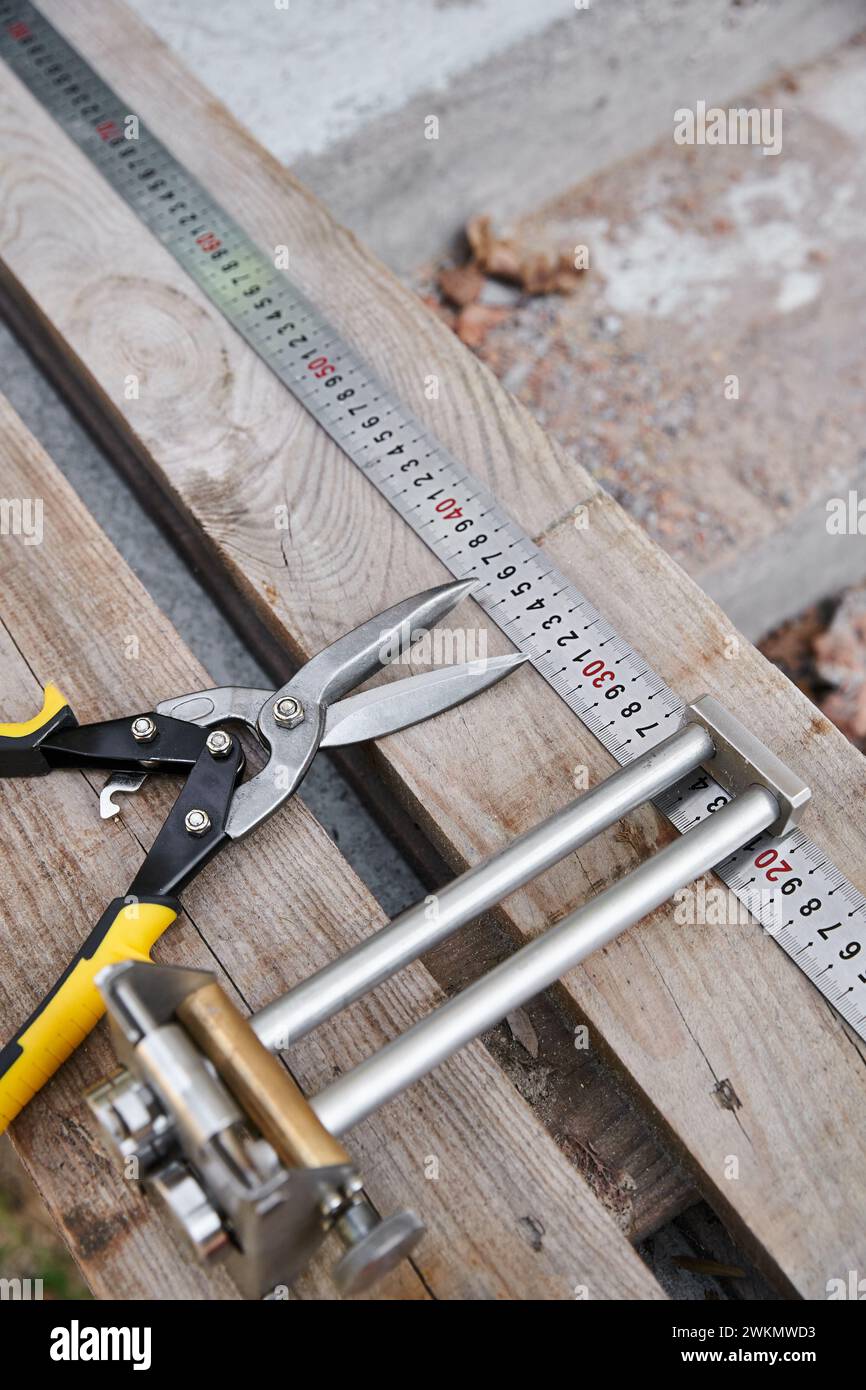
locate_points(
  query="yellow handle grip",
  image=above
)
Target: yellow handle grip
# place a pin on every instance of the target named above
(126, 931)
(20, 754)
(53, 702)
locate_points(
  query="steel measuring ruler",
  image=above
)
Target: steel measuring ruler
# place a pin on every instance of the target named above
(815, 914)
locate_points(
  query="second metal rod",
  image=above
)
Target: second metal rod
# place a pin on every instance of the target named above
(533, 968)
(418, 929)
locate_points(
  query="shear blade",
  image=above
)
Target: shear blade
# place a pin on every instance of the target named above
(384, 710)
(358, 655)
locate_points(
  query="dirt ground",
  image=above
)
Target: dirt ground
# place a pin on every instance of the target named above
(29, 1246)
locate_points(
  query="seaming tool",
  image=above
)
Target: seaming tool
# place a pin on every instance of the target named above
(255, 1174)
(185, 734)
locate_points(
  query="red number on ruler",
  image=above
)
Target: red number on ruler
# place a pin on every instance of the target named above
(320, 366)
(208, 241)
(768, 857)
(20, 30)
(598, 669)
(107, 130)
(449, 508)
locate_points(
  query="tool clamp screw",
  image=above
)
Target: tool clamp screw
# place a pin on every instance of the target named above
(197, 822)
(219, 743)
(330, 1206)
(288, 711)
(143, 729)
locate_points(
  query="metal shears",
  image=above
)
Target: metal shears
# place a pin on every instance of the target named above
(215, 806)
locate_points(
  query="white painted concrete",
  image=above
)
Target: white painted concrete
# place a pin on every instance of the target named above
(653, 268)
(307, 75)
(532, 96)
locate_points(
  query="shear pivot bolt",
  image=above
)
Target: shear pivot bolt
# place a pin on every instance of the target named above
(288, 711)
(197, 822)
(219, 743)
(143, 729)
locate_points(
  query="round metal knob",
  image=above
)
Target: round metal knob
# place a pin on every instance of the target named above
(376, 1251)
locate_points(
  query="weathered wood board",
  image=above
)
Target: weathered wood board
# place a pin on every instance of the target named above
(220, 441)
(263, 915)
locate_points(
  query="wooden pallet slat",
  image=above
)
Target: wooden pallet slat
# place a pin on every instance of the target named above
(683, 1009)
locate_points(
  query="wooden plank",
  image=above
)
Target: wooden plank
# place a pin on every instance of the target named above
(224, 444)
(591, 1117)
(70, 608)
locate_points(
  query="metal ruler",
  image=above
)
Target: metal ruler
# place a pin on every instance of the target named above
(816, 915)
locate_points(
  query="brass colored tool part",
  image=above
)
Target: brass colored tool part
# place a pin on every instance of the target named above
(258, 1081)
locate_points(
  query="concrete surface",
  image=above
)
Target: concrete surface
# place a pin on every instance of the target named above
(529, 98)
(709, 264)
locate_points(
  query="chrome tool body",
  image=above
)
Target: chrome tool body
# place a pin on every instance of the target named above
(256, 1174)
(188, 734)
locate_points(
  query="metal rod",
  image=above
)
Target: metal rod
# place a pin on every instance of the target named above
(352, 1097)
(415, 931)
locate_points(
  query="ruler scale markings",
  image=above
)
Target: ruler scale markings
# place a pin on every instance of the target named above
(633, 707)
